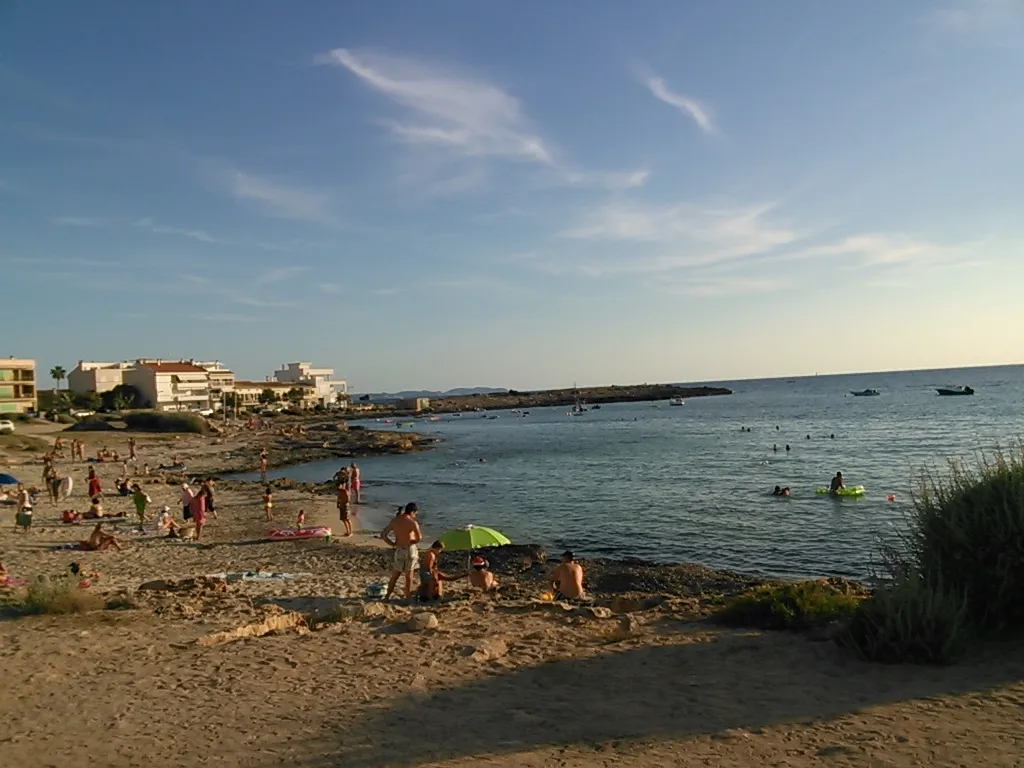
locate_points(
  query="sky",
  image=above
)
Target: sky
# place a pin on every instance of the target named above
(524, 194)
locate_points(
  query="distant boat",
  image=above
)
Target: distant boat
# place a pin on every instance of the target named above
(866, 393)
(676, 401)
(954, 391)
(579, 407)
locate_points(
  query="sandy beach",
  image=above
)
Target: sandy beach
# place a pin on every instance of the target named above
(635, 678)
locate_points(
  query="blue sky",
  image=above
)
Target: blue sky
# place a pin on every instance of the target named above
(516, 194)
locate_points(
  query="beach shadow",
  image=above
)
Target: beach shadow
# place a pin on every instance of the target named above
(714, 683)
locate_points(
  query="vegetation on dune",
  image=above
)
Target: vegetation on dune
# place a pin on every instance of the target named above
(957, 570)
(53, 596)
(161, 421)
(800, 606)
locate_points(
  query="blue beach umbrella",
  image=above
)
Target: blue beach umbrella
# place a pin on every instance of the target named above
(8, 479)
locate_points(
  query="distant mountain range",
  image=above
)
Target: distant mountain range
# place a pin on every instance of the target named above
(378, 396)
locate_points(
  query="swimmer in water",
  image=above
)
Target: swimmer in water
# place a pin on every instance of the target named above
(780, 491)
(775, 448)
(787, 447)
(837, 484)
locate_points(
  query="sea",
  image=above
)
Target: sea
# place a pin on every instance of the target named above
(693, 483)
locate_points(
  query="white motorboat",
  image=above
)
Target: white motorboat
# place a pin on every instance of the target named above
(676, 401)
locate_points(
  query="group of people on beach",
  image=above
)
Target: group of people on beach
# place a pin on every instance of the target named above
(403, 534)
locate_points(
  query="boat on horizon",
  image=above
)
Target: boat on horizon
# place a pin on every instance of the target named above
(676, 401)
(954, 391)
(866, 393)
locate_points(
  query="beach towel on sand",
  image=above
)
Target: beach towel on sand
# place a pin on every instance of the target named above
(257, 576)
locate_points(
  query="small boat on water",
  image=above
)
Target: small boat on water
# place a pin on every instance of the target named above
(866, 393)
(954, 391)
(676, 401)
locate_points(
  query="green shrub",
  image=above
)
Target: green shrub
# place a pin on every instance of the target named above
(789, 606)
(909, 620)
(967, 532)
(58, 596)
(956, 571)
(161, 421)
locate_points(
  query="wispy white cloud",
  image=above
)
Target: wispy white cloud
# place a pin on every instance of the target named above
(879, 249)
(692, 108)
(81, 221)
(281, 200)
(279, 274)
(683, 235)
(718, 287)
(228, 317)
(464, 114)
(614, 181)
(994, 22)
(150, 225)
(332, 289)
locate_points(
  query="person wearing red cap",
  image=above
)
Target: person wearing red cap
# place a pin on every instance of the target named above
(481, 577)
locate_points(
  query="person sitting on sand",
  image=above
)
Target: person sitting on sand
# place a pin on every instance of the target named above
(837, 483)
(100, 541)
(95, 509)
(403, 533)
(123, 486)
(567, 581)
(481, 577)
(430, 575)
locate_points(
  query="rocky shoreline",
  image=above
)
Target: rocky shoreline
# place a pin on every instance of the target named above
(564, 397)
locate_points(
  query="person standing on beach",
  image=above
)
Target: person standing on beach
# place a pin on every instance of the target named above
(197, 507)
(343, 508)
(263, 466)
(403, 533)
(567, 581)
(268, 503)
(94, 484)
(356, 483)
(141, 501)
(342, 477)
(211, 506)
(186, 500)
(131, 448)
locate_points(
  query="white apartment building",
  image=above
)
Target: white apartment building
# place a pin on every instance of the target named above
(91, 376)
(181, 386)
(326, 389)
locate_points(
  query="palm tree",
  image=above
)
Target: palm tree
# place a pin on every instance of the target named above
(58, 374)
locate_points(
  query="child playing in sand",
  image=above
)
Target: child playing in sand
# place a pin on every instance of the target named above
(268, 503)
(480, 576)
(301, 520)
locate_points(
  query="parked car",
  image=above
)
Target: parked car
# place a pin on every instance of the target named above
(6, 427)
(206, 412)
(81, 414)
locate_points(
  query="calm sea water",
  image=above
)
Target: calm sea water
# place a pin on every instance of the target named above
(685, 484)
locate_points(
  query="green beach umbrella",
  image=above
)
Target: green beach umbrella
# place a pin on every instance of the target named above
(473, 537)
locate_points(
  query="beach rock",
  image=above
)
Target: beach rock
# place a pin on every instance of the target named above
(622, 604)
(488, 649)
(375, 610)
(595, 612)
(271, 624)
(419, 622)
